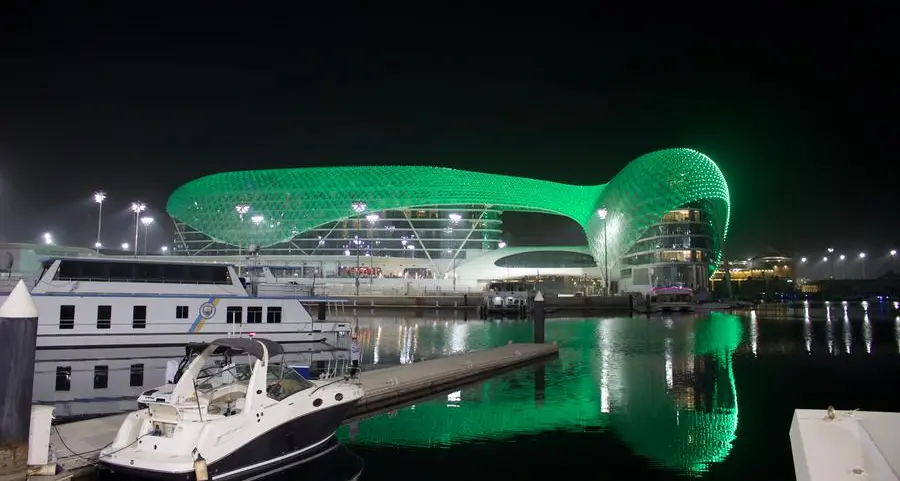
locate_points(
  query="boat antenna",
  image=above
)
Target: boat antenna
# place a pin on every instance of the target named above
(197, 398)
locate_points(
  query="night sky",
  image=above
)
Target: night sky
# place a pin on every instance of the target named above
(794, 106)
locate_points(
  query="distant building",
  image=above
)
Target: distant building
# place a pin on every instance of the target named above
(661, 221)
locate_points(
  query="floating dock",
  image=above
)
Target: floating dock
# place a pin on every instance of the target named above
(845, 445)
(385, 389)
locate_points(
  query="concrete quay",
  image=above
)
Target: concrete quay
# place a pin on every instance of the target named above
(385, 389)
(474, 301)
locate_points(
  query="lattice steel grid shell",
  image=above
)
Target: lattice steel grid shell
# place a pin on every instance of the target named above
(294, 200)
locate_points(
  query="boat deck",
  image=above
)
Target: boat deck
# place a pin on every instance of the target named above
(385, 389)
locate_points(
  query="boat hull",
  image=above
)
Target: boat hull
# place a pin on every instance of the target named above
(293, 442)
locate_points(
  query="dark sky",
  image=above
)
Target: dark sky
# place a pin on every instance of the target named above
(795, 106)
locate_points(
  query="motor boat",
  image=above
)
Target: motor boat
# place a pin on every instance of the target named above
(233, 412)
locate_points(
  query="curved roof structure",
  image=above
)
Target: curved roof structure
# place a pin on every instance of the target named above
(294, 200)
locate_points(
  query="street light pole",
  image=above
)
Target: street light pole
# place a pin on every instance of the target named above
(99, 197)
(893, 260)
(137, 207)
(831, 257)
(241, 209)
(146, 221)
(862, 259)
(359, 207)
(602, 213)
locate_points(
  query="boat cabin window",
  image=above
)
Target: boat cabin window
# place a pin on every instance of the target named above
(254, 314)
(273, 315)
(181, 312)
(139, 317)
(63, 378)
(283, 381)
(104, 317)
(136, 378)
(123, 271)
(67, 317)
(234, 315)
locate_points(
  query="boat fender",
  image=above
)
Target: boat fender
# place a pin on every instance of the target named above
(200, 470)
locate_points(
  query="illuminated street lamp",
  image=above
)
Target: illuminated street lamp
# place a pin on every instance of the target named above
(602, 213)
(893, 260)
(831, 251)
(48, 238)
(862, 260)
(803, 260)
(455, 218)
(137, 207)
(840, 258)
(146, 221)
(257, 219)
(99, 197)
(359, 207)
(125, 246)
(501, 245)
(164, 250)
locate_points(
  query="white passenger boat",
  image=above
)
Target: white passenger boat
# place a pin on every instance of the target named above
(105, 302)
(237, 410)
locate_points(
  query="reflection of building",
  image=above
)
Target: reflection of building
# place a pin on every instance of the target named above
(439, 219)
(673, 400)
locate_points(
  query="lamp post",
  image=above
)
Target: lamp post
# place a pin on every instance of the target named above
(830, 252)
(137, 207)
(893, 260)
(602, 213)
(862, 260)
(373, 220)
(99, 197)
(241, 210)
(841, 258)
(359, 207)
(146, 221)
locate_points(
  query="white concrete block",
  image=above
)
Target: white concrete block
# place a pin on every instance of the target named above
(855, 445)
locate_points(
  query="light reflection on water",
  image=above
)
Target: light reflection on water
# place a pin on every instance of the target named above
(665, 388)
(661, 392)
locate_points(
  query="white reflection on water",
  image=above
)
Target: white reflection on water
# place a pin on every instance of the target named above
(459, 337)
(848, 340)
(670, 376)
(376, 349)
(867, 332)
(829, 334)
(754, 333)
(807, 329)
(897, 332)
(604, 332)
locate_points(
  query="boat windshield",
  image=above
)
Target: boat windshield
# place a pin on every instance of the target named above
(226, 383)
(283, 381)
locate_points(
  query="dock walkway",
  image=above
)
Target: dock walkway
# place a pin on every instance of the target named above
(385, 389)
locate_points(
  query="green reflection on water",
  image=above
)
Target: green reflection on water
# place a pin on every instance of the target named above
(665, 388)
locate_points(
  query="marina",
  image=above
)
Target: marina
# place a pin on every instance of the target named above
(77, 445)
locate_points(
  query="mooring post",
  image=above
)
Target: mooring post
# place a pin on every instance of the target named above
(538, 318)
(18, 337)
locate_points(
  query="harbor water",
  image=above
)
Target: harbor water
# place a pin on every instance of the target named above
(706, 396)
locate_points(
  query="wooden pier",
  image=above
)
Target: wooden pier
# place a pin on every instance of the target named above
(385, 389)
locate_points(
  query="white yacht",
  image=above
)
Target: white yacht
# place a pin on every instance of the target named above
(115, 302)
(96, 381)
(236, 411)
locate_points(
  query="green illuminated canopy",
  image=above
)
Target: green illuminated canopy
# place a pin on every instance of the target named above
(290, 201)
